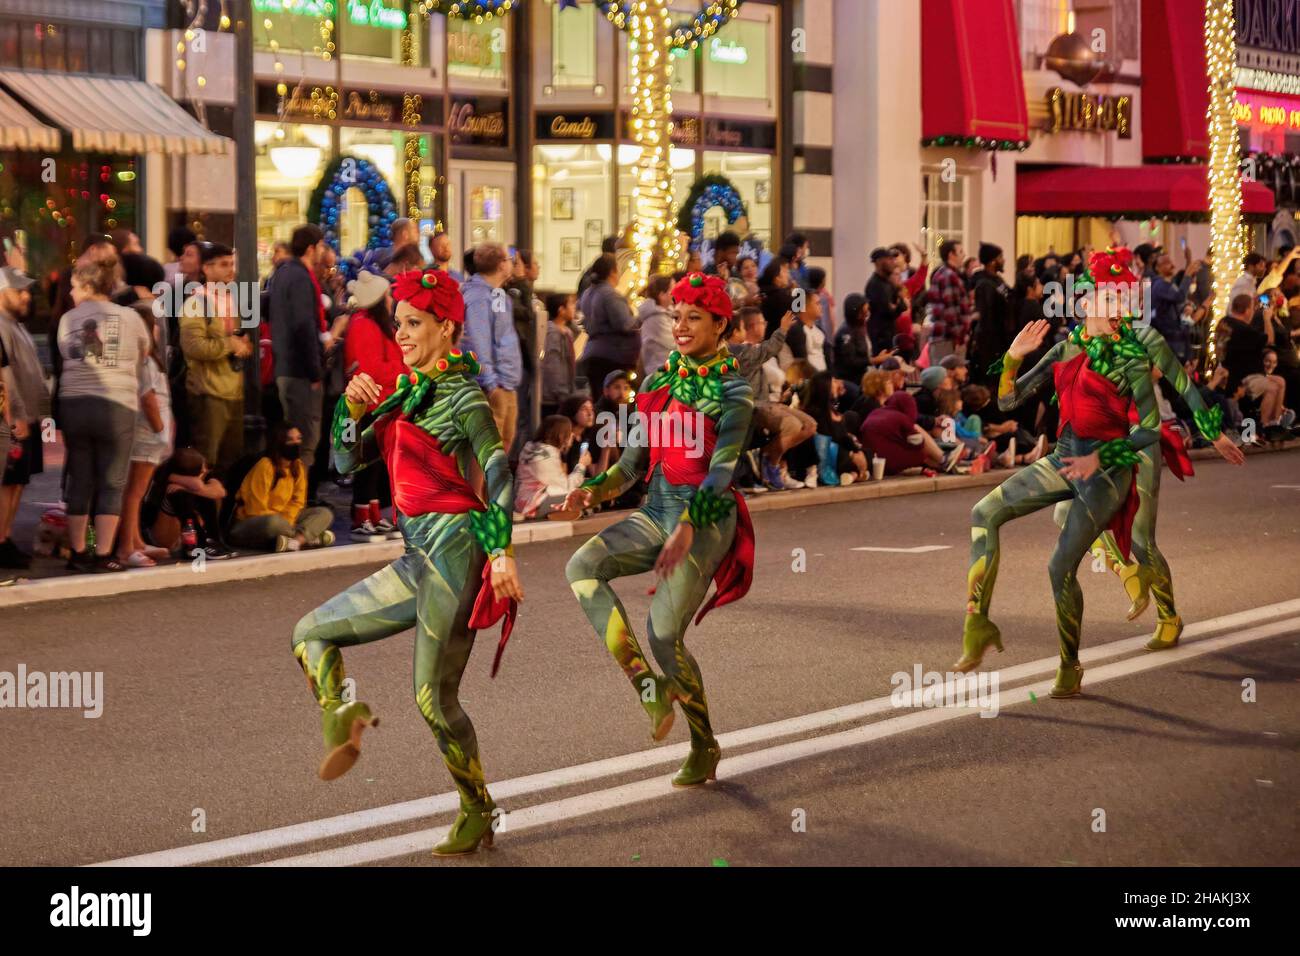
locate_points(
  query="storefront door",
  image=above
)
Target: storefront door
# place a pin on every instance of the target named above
(481, 201)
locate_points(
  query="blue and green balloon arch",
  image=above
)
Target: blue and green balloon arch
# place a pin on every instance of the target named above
(706, 192)
(344, 173)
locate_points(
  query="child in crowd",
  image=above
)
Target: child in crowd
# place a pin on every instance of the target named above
(182, 510)
(541, 484)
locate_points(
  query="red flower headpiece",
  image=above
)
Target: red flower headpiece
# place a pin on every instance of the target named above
(1112, 266)
(707, 292)
(431, 290)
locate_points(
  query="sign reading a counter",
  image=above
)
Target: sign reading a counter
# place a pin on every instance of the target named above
(1089, 112)
(480, 122)
(583, 126)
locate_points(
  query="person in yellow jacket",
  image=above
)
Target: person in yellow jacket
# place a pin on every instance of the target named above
(270, 512)
(215, 347)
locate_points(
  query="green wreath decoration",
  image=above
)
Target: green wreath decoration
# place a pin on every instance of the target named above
(713, 15)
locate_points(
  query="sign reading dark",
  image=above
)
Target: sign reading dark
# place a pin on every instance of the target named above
(484, 121)
(576, 125)
(1269, 24)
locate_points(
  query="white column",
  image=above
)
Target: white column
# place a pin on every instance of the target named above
(877, 189)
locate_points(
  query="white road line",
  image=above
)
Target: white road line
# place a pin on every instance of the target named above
(1288, 487)
(298, 833)
(921, 549)
(563, 811)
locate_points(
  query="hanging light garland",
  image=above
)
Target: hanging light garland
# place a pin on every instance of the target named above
(412, 109)
(712, 17)
(652, 126)
(1224, 172)
(476, 10)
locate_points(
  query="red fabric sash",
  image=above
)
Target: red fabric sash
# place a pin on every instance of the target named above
(735, 573)
(426, 480)
(1092, 405)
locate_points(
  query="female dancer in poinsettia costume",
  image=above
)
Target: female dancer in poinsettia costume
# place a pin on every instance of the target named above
(458, 571)
(1100, 371)
(693, 526)
(1147, 575)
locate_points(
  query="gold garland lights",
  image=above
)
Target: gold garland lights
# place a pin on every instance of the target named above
(652, 126)
(1224, 171)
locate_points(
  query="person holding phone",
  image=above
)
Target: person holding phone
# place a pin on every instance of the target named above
(541, 485)
(214, 346)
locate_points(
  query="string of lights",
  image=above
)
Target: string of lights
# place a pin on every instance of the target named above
(652, 125)
(1224, 172)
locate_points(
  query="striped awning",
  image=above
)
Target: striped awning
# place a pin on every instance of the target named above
(19, 129)
(110, 115)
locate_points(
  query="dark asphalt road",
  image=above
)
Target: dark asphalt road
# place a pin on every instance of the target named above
(206, 709)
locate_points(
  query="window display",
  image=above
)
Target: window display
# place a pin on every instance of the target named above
(735, 63)
(571, 199)
(751, 174)
(573, 45)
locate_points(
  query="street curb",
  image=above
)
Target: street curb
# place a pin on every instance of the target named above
(272, 565)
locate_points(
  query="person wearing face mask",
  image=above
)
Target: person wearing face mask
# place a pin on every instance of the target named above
(270, 509)
(457, 574)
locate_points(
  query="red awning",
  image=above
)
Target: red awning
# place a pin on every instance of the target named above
(971, 84)
(1176, 94)
(1129, 192)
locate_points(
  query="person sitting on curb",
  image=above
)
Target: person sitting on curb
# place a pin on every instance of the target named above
(270, 512)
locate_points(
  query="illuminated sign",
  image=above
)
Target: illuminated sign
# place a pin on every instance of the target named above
(1272, 114)
(1089, 112)
(729, 52)
(376, 13)
(1266, 81)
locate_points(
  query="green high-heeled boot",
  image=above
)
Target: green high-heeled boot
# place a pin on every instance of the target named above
(660, 708)
(471, 828)
(1167, 634)
(701, 765)
(342, 724)
(1069, 681)
(978, 633)
(1137, 585)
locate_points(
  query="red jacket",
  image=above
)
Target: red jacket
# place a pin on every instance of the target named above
(378, 355)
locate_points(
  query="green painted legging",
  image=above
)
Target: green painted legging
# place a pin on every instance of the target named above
(432, 586)
(1093, 503)
(631, 547)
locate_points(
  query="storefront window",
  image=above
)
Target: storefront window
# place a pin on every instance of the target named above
(372, 29)
(573, 45)
(290, 160)
(571, 206)
(683, 164)
(477, 51)
(67, 48)
(1041, 22)
(735, 60)
(943, 210)
(751, 174)
(50, 220)
(292, 26)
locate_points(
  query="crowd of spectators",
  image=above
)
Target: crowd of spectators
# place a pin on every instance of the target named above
(151, 397)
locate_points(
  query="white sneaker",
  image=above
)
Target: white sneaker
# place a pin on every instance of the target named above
(810, 478)
(847, 478)
(954, 456)
(388, 529)
(368, 532)
(1037, 452)
(790, 484)
(1008, 457)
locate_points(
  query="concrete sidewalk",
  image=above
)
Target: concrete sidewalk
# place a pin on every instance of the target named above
(185, 573)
